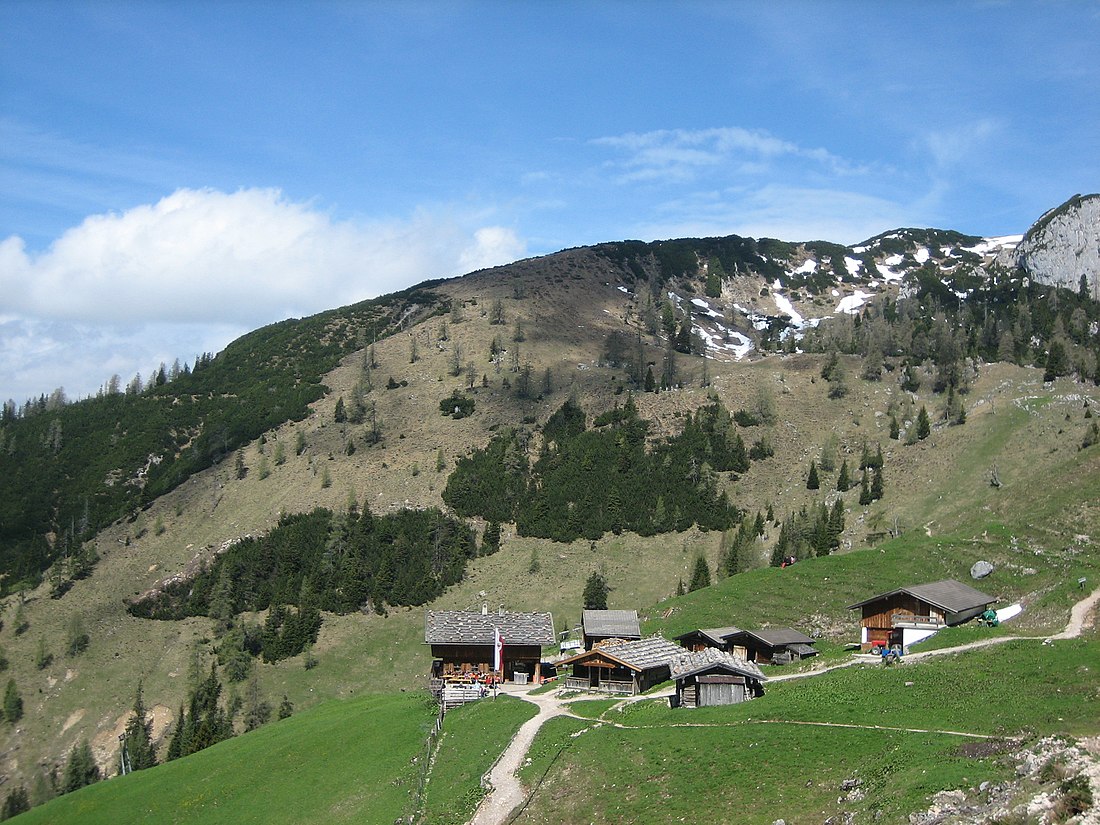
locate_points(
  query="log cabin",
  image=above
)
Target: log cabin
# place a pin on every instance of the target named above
(773, 645)
(462, 643)
(715, 677)
(710, 637)
(624, 668)
(901, 617)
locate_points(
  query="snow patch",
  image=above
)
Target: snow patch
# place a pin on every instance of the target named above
(853, 265)
(991, 245)
(922, 255)
(806, 268)
(852, 303)
(784, 306)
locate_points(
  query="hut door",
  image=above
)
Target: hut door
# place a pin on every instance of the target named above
(716, 694)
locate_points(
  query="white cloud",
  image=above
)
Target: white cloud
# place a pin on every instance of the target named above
(198, 263)
(678, 155)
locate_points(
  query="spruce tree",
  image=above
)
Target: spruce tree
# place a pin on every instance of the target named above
(286, 708)
(700, 576)
(924, 426)
(139, 738)
(843, 481)
(595, 592)
(13, 703)
(812, 481)
(81, 769)
(895, 430)
(876, 484)
(15, 803)
(864, 491)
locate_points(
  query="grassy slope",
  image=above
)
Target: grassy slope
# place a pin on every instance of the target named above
(941, 484)
(340, 762)
(749, 762)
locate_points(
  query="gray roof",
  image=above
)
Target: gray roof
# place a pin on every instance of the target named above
(717, 635)
(472, 627)
(803, 650)
(639, 654)
(714, 659)
(777, 636)
(948, 595)
(622, 624)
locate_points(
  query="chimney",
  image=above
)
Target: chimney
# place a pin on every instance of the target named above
(500, 610)
(484, 608)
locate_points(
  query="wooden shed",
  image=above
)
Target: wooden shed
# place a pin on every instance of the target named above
(710, 637)
(774, 645)
(715, 677)
(463, 642)
(600, 625)
(622, 667)
(906, 615)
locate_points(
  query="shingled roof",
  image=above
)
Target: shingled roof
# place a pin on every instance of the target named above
(712, 658)
(639, 654)
(776, 636)
(716, 635)
(622, 624)
(948, 595)
(471, 627)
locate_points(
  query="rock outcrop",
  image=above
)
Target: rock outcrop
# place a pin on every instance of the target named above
(1062, 245)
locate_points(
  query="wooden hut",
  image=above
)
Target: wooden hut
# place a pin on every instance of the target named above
(711, 637)
(715, 677)
(622, 667)
(463, 643)
(600, 625)
(774, 645)
(901, 617)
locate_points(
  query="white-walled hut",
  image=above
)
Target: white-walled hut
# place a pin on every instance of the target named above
(715, 677)
(906, 615)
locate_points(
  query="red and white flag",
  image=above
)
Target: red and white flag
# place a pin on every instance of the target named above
(498, 650)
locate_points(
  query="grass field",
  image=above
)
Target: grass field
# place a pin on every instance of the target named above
(785, 755)
(340, 762)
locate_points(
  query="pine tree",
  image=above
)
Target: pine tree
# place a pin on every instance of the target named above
(139, 738)
(864, 491)
(15, 803)
(700, 576)
(812, 481)
(340, 414)
(286, 708)
(924, 426)
(13, 703)
(81, 769)
(895, 430)
(595, 592)
(1057, 361)
(876, 484)
(843, 481)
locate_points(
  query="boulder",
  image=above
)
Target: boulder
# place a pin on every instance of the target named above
(980, 570)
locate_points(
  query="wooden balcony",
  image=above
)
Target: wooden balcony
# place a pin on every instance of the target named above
(914, 621)
(605, 686)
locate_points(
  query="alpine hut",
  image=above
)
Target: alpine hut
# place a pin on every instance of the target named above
(906, 615)
(715, 677)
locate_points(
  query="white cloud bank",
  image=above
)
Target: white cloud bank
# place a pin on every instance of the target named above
(198, 267)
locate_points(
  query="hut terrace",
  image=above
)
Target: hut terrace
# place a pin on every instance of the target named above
(600, 625)
(905, 616)
(624, 668)
(463, 642)
(715, 677)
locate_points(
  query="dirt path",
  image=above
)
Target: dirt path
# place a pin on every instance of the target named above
(507, 793)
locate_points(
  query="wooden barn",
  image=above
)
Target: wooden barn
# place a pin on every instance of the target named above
(901, 617)
(773, 645)
(463, 643)
(622, 667)
(600, 625)
(711, 637)
(715, 677)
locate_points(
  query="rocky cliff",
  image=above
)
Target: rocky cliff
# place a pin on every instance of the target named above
(1063, 245)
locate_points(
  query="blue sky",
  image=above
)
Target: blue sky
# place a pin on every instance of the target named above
(175, 174)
